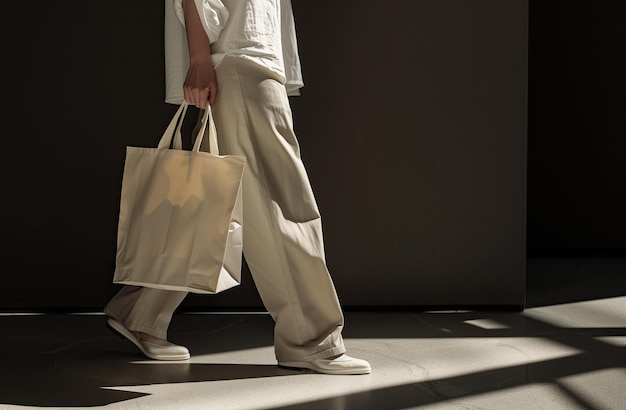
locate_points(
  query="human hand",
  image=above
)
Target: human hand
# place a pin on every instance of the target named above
(200, 84)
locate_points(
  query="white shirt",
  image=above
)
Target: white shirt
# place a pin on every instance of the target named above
(260, 30)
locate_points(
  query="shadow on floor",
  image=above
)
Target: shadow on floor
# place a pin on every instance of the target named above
(72, 361)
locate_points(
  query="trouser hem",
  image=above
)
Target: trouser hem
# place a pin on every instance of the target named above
(138, 327)
(333, 351)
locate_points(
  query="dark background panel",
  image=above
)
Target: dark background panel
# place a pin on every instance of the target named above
(577, 144)
(414, 116)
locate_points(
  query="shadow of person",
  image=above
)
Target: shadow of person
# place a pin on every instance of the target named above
(48, 372)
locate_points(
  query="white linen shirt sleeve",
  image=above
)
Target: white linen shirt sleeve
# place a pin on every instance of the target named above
(291, 59)
(213, 15)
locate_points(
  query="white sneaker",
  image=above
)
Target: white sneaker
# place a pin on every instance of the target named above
(343, 364)
(157, 349)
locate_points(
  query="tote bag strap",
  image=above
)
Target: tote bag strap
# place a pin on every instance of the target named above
(174, 129)
(207, 119)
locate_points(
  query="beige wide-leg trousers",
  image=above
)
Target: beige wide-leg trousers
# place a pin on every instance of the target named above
(282, 231)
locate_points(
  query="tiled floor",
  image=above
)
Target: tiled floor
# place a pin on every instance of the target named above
(551, 356)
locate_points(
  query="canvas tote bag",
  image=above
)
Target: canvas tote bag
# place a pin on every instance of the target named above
(180, 218)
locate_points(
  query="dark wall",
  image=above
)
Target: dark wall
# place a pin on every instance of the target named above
(417, 146)
(577, 133)
(413, 130)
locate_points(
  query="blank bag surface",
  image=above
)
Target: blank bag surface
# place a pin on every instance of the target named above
(180, 220)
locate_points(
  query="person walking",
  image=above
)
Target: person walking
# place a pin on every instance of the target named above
(241, 57)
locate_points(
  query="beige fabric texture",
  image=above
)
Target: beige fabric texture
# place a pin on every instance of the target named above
(282, 229)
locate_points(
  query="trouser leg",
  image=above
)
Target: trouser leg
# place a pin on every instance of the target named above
(283, 243)
(144, 309)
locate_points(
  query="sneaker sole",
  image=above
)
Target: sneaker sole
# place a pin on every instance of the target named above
(119, 330)
(311, 366)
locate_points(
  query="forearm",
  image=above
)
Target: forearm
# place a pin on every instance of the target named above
(198, 41)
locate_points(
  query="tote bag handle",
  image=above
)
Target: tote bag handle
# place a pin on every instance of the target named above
(174, 129)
